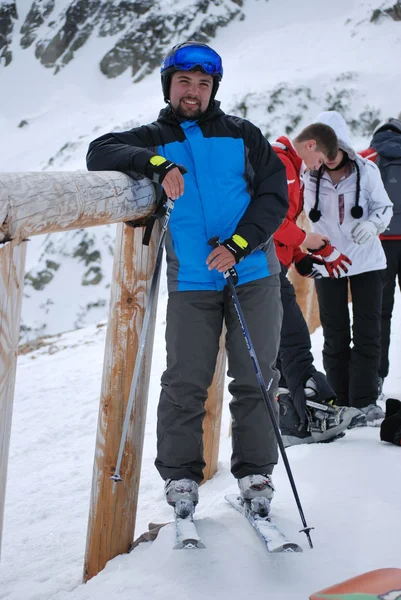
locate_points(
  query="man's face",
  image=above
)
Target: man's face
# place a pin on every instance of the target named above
(312, 157)
(190, 93)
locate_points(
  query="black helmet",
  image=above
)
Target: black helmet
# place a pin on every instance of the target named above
(190, 56)
(391, 124)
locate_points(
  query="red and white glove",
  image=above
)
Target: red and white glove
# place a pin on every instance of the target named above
(334, 261)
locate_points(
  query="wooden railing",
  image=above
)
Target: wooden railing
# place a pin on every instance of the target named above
(39, 203)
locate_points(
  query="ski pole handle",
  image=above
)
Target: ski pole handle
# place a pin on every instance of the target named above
(231, 272)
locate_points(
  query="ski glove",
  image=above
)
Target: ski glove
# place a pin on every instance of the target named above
(305, 264)
(334, 261)
(238, 247)
(158, 167)
(364, 232)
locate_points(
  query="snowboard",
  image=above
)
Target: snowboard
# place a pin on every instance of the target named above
(381, 584)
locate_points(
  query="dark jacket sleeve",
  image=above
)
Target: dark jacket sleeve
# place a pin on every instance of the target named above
(127, 151)
(268, 186)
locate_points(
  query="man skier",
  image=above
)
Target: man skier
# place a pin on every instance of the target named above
(234, 188)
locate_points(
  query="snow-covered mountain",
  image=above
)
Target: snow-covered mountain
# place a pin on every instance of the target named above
(72, 70)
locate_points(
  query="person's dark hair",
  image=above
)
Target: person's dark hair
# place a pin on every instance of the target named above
(324, 136)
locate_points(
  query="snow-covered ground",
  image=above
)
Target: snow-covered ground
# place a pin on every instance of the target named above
(350, 492)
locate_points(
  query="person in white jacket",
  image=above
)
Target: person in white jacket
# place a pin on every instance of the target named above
(346, 200)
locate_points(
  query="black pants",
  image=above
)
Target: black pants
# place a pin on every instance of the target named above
(194, 325)
(352, 371)
(392, 248)
(295, 358)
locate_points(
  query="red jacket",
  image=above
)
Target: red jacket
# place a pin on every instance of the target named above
(372, 155)
(289, 236)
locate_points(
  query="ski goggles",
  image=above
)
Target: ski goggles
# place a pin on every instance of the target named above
(187, 58)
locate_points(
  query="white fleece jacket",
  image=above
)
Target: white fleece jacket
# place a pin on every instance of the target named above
(336, 201)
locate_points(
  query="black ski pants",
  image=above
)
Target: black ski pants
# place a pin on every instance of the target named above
(392, 248)
(295, 358)
(352, 371)
(194, 325)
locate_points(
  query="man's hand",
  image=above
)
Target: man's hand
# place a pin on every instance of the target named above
(335, 262)
(173, 184)
(313, 241)
(220, 259)
(228, 253)
(168, 174)
(305, 264)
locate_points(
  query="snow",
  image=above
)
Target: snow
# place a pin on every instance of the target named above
(349, 490)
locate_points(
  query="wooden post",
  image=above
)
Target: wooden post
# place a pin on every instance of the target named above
(112, 513)
(305, 287)
(12, 268)
(306, 298)
(214, 407)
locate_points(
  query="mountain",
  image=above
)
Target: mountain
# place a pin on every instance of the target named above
(72, 70)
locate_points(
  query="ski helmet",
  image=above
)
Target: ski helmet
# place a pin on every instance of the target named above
(190, 56)
(391, 124)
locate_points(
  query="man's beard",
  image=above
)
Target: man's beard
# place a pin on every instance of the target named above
(192, 116)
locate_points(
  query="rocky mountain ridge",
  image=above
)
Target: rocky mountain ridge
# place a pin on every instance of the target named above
(140, 30)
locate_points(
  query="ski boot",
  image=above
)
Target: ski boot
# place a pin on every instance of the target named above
(317, 390)
(325, 417)
(257, 492)
(357, 417)
(293, 432)
(182, 495)
(374, 415)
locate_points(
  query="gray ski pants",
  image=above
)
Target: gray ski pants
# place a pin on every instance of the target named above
(194, 325)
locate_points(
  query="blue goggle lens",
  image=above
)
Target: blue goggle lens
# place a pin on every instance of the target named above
(189, 57)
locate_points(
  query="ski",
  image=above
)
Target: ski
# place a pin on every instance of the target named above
(274, 540)
(186, 535)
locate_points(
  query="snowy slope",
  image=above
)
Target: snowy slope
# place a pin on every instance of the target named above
(284, 62)
(350, 492)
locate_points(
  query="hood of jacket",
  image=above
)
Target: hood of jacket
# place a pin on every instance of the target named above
(387, 144)
(284, 146)
(337, 122)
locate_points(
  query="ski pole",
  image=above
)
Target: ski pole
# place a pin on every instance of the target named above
(116, 477)
(232, 278)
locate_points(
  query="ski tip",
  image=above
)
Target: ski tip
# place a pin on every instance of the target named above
(190, 545)
(289, 547)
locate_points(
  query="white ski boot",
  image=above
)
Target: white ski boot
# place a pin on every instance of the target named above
(257, 491)
(183, 495)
